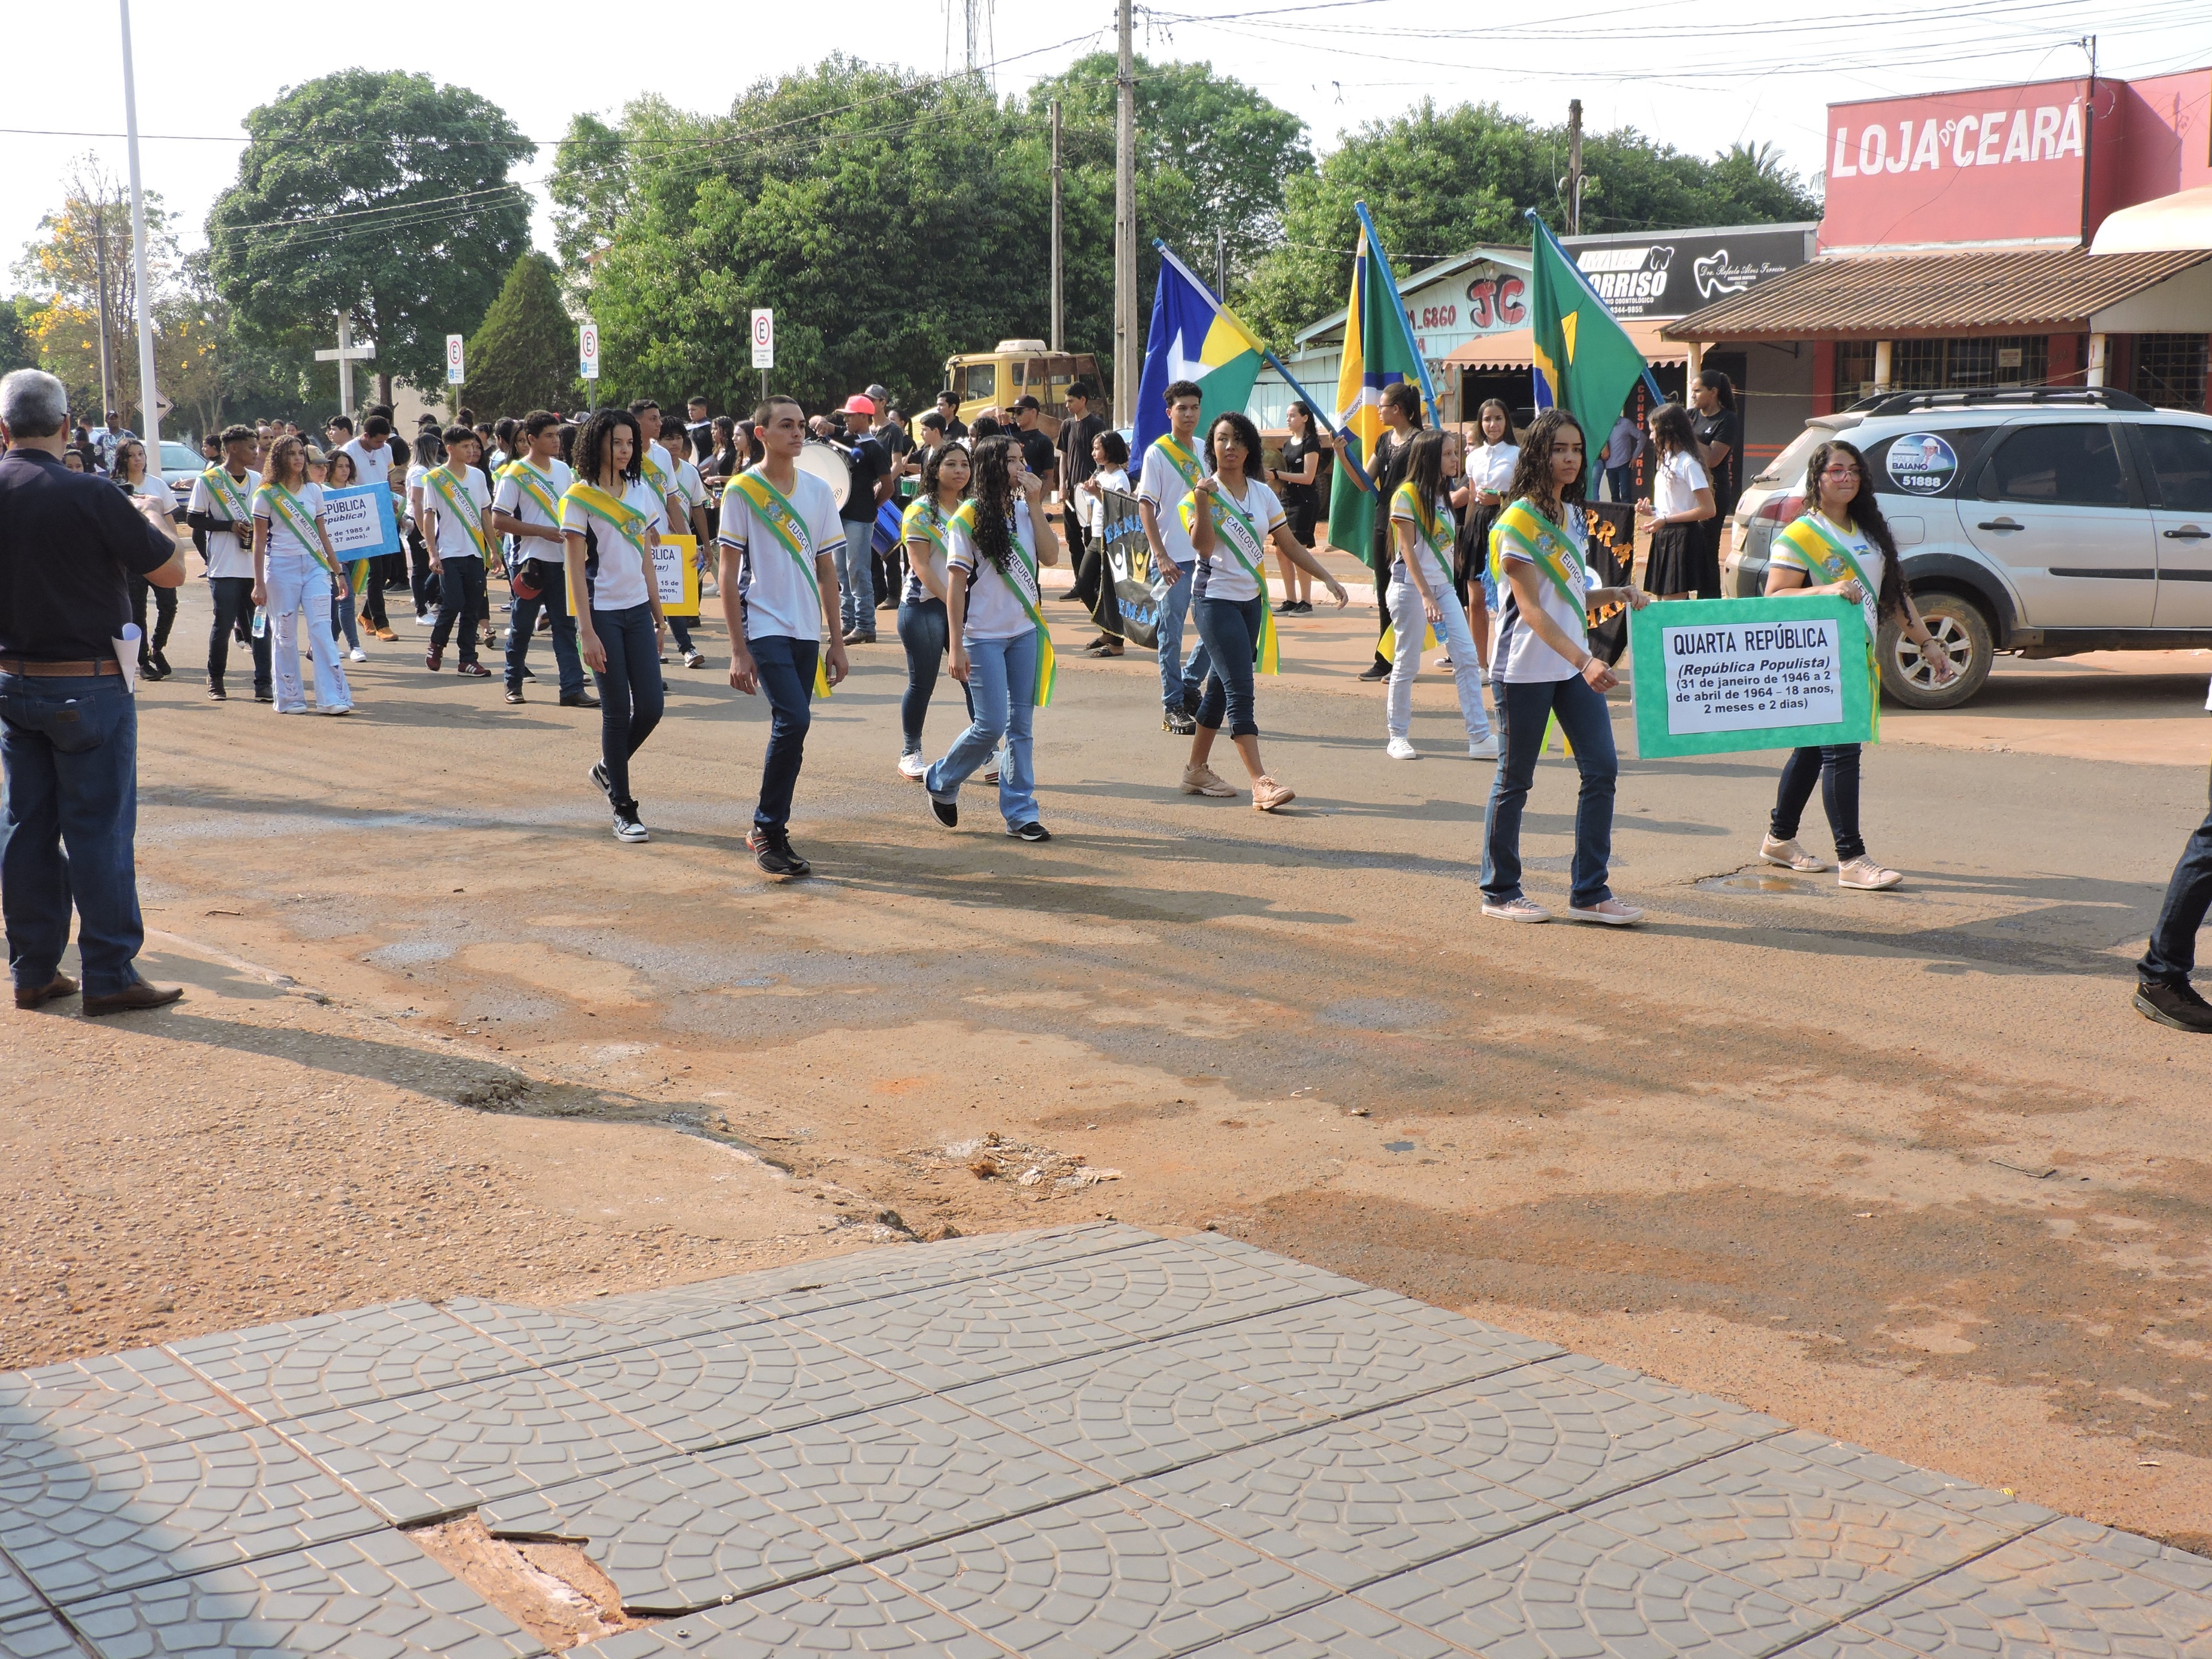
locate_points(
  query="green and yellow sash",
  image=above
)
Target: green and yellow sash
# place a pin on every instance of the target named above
(924, 521)
(1812, 539)
(1028, 594)
(283, 504)
(1523, 526)
(618, 515)
(656, 470)
(455, 495)
(1182, 459)
(772, 507)
(232, 493)
(535, 485)
(1233, 525)
(1433, 531)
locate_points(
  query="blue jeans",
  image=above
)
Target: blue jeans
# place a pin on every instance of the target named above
(70, 749)
(554, 603)
(856, 579)
(1524, 708)
(2173, 949)
(1179, 685)
(924, 630)
(787, 669)
(1836, 769)
(1002, 677)
(234, 615)
(631, 694)
(1230, 629)
(1621, 481)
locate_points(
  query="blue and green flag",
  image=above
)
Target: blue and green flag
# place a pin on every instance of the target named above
(1585, 363)
(1378, 352)
(1194, 337)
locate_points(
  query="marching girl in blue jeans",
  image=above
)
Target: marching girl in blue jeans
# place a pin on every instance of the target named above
(923, 628)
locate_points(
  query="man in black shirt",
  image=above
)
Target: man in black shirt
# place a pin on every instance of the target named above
(1077, 432)
(700, 429)
(1037, 448)
(869, 465)
(948, 405)
(68, 731)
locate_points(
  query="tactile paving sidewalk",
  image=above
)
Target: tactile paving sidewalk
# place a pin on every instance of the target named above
(1086, 1443)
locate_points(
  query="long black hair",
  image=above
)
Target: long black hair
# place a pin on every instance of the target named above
(933, 469)
(995, 501)
(1672, 432)
(1247, 438)
(595, 445)
(1867, 518)
(1720, 383)
(1116, 447)
(1532, 473)
(1424, 468)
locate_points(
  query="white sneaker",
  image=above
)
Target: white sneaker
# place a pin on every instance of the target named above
(1402, 748)
(1516, 909)
(1482, 748)
(1610, 912)
(695, 660)
(1866, 875)
(912, 766)
(1203, 779)
(358, 655)
(1789, 854)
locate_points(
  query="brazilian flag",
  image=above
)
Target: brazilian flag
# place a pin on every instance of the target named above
(1378, 352)
(1585, 363)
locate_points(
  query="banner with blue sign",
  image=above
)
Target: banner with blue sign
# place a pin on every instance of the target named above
(360, 522)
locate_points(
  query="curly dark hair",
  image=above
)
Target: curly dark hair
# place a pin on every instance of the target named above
(1532, 473)
(995, 501)
(1867, 518)
(1248, 440)
(934, 466)
(595, 446)
(1672, 432)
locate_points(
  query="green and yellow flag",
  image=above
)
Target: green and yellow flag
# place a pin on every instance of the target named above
(1585, 363)
(1378, 351)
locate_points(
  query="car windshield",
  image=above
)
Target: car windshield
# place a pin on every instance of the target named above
(1790, 466)
(179, 457)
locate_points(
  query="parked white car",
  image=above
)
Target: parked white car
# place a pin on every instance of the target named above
(2043, 522)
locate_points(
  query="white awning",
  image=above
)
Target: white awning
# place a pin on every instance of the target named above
(2179, 223)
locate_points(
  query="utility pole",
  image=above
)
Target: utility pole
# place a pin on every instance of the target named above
(1059, 312)
(150, 395)
(106, 323)
(1574, 166)
(1128, 370)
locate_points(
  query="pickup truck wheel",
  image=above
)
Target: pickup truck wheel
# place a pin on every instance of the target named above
(1962, 631)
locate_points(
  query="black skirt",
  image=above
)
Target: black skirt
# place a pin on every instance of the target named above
(1677, 560)
(1472, 548)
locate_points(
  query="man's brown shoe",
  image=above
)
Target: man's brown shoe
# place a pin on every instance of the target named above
(141, 995)
(60, 985)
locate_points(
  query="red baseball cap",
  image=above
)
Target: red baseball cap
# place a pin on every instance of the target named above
(857, 405)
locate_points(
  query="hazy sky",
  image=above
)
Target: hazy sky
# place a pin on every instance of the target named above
(1699, 77)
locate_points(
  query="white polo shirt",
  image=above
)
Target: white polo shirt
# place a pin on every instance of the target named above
(510, 500)
(778, 597)
(227, 555)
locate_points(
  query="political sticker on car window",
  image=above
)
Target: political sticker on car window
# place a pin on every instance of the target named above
(1922, 463)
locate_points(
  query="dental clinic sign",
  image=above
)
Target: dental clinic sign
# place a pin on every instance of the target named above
(2004, 164)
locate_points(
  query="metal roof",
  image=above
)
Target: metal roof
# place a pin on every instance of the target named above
(1877, 296)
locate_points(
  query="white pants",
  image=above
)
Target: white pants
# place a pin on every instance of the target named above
(299, 588)
(1412, 623)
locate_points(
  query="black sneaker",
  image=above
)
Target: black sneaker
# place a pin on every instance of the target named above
(2178, 1006)
(598, 775)
(1179, 721)
(579, 700)
(772, 851)
(216, 693)
(1378, 669)
(626, 824)
(514, 694)
(946, 812)
(1031, 831)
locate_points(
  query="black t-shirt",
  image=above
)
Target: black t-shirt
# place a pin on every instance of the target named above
(896, 439)
(1723, 426)
(68, 545)
(954, 427)
(1036, 450)
(1074, 445)
(1295, 451)
(867, 460)
(702, 434)
(1388, 473)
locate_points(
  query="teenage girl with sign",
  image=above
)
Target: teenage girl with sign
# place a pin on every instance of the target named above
(1230, 518)
(923, 628)
(1843, 538)
(295, 571)
(1422, 597)
(1545, 668)
(611, 521)
(1681, 501)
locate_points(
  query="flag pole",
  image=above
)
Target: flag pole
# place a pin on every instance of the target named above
(1381, 265)
(1544, 231)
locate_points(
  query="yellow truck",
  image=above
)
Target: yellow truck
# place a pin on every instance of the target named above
(1014, 369)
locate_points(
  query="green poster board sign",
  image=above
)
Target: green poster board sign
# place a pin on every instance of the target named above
(1714, 675)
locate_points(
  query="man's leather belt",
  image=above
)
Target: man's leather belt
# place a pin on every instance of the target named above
(80, 670)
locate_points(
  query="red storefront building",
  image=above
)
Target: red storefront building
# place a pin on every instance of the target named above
(2057, 233)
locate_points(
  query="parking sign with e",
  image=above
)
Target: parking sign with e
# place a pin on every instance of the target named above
(763, 339)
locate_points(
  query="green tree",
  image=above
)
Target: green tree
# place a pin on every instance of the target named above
(1439, 182)
(17, 349)
(523, 355)
(381, 195)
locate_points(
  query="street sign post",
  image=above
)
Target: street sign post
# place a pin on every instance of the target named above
(588, 351)
(456, 371)
(763, 339)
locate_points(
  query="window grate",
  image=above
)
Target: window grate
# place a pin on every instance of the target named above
(2170, 370)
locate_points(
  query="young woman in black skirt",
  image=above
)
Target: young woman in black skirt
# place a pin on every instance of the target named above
(1681, 502)
(1490, 466)
(1296, 483)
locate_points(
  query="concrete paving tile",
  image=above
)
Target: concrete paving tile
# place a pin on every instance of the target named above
(1161, 1288)
(1569, 1589)
(856, 1612)
(2007, 1515)
(136, 1399)
(377, 1597)
(1472, 1332)
(42, 1636)
(1342, 1629)
(79, 1527)
(1340, 1356)
(1323, 1282)
(2182, 1569)
(1135, 1411)
(1826, 1538)
(897, 1477)
(950, 1334)
(16, 1595)
(2046, 1595)
(1107, 1577)
(543, 1336)
(1345, 1505)
(1725, 1414)
(674, 1536)
(283, 1372)
(429, 1455)
(1556, 1437)
(733, 1385)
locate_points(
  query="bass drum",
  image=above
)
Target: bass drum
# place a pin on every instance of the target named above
(826, 463)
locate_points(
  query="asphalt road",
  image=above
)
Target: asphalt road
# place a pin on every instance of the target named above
(1903, 1168)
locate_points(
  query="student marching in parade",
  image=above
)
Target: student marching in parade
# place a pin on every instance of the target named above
(1165, 477)
(1386, 469)
(923, 622)
(779, 538)
(221, 509)
(1844, 539)
(689, 490)
(1489, 473)
(996, 546)
(456, 503)
(1681, 501)
(295, 571)
(127, 472)
(610, 519)
(1230, 517)
(1297, 486)
(527, 506)
(340, 473)
(1545, 668)
(1421, 597)
(1110, 470)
